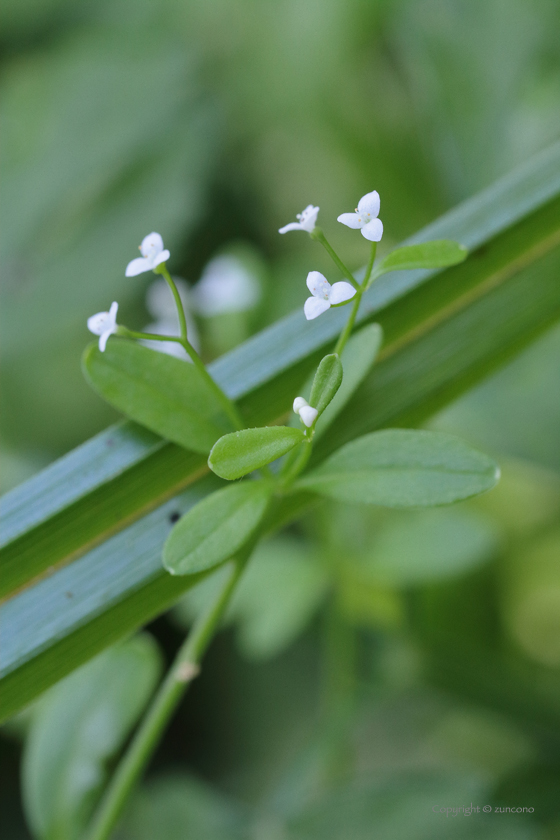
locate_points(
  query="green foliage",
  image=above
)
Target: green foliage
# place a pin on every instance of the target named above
(435, 254)
(284, 585)
(403, 468)
(531, 598)
(280, 591)
(215, 528)
(326, 382)
(239, 453)
(178, 806)
(357, 360)
(76, 728)
(166, 394)
(400, 806)
(429, 546)
(437, 344)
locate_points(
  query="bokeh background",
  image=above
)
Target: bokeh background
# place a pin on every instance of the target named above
(375, 664)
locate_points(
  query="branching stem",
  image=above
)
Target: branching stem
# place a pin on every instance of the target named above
(227, 404)
(186, 664)
(319, 236)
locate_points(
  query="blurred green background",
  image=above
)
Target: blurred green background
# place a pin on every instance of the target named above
(376, 664)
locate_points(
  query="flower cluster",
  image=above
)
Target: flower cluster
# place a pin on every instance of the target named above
(306, 412)
(364, 218)
(218, 294)
(153, 253)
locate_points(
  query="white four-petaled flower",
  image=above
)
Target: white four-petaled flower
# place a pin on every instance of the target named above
(324, 295)
(104, 324)
(307, 219)
(153, 254)
(365, 217)
(305, 411)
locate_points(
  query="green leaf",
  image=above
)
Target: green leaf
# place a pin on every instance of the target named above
(404, 468)
(326, 382)
(357, 359)
(165, 394)
(215, 528)
(77, 727)
(239, 453)
(421, 547)
(436, 254)
(276, 598)
(177, 806)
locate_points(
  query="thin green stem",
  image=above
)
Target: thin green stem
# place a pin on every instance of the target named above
(347, 331)
(369, 268)
(318, 235)
(126, 333)
(162, 269)
(227, 404)
(183, 670)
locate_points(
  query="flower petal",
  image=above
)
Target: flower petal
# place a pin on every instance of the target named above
(160, 258)
(308, 218)
(341, 291)
(299, 403)
(291, 226)
(318, 285)
(137, 266)
(314, 307)
(103, 339)
(308, 415)
(373, 230)
(113, 313)
(97, 323)
(351, 220)
(152, 244)
(370, 203)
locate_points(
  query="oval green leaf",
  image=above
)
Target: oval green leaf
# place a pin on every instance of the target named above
(215, 528)
(240, 453)
(326, 382)
(403, 468)
(437, 254)
(426, 546)
(76, 728)
(163, 393)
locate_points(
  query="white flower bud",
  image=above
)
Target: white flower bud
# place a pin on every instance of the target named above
(308, 414)
(299, 403)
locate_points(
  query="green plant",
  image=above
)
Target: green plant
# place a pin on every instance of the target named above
(504, 259)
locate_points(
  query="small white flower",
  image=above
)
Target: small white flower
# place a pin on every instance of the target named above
(365, 217)
(226, 285)
(104, 324)
(324, 295)
(152, 255)
(305, 411)
(307, 219)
